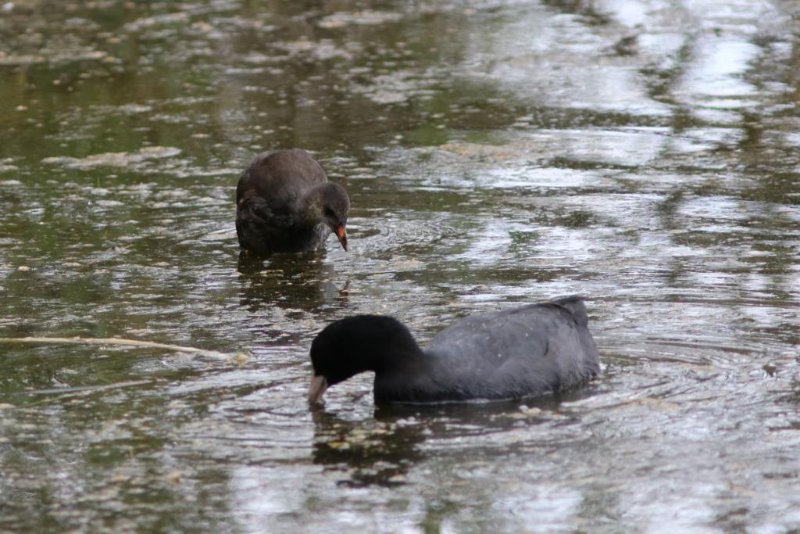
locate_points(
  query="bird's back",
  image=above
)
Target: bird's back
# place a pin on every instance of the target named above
(527, 351)
(280, 177)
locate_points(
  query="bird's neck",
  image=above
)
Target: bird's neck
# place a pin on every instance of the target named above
(398, 359)
(310, 206)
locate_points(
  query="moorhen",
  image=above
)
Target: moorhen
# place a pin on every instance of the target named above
(285, 203)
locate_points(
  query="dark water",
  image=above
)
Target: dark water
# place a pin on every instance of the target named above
(641, 153)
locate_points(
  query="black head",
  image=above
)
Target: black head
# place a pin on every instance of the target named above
(357, 344)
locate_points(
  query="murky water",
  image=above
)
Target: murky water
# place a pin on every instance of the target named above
(641, 153)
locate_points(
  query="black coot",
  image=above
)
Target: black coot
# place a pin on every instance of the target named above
(522, 352)
(284, 203)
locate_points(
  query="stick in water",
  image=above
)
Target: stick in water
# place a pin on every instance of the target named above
(122, 342)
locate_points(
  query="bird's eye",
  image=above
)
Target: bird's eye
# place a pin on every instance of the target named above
(329, 213)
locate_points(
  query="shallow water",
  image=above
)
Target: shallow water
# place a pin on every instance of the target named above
(641, 153)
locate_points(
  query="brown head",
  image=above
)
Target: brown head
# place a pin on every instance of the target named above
(331, 205)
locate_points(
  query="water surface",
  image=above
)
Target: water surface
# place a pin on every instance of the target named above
(496, 152)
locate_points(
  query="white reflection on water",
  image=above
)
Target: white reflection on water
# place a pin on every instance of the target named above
(717, 78)
(550, 506)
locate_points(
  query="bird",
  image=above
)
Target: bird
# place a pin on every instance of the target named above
(522, 352)
(285, 203)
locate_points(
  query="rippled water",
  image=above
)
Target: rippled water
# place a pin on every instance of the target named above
(496, 152)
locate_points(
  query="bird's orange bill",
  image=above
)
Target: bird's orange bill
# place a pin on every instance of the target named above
(317, 388)
(341, 234)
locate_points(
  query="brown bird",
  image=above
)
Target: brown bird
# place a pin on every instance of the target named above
(285, 203)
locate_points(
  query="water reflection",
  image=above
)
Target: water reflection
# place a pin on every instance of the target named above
(377, 453)
(381, 451)
(291, 281)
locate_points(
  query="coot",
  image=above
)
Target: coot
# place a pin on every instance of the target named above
(521, 352)
(285, 203)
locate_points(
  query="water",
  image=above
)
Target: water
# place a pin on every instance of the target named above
(499, 152)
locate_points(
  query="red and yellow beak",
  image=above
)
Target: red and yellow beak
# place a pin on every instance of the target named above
(316, 389)
(341, 235)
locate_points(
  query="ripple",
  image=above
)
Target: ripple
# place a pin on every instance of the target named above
(115, 159)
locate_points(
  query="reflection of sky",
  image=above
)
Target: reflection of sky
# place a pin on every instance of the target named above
(547, 506)
(717, 210)
(716, 76)
(488, 243)
(275, 499)
(544, 56)
(625, 12)
(261, 492)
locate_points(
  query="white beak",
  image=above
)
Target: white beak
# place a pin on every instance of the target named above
(317, 388)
